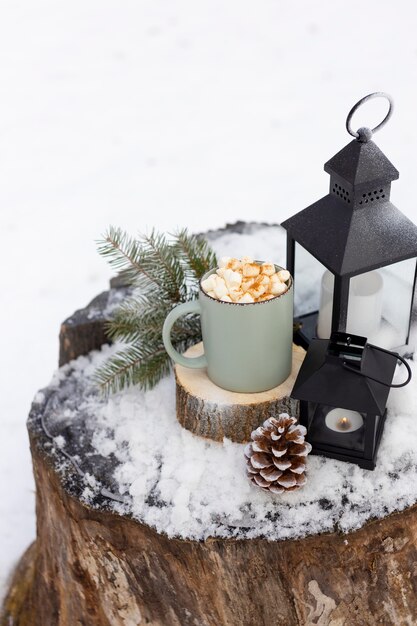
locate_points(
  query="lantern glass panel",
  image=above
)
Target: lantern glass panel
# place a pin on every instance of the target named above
(308, 272)
(377, 418)
(397, 299)
(336, 427)
(379, 304)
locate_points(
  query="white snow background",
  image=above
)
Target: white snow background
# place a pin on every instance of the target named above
(165, 114)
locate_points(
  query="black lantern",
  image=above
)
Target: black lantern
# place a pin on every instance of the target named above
(343, 386)
(353, 253)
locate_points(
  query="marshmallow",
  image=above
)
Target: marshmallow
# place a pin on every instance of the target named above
(220, 288)
(246, 298)
(268, 269)
(257, 291)
(220, 272)
(259, 287)
(246, 259)
(226, 298)
(277, 287)
(211, 294)
(234, 264)
(224, 261)
(235, 294)
(247, 283)
(208, 284)
(251, 269)
(232, 279)
(283, 275)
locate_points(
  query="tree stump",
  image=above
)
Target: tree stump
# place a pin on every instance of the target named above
(209, 411)
(95, 563)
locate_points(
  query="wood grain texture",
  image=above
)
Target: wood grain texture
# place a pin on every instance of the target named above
(209, 411)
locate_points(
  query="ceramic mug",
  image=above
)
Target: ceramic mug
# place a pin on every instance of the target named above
(247, 347)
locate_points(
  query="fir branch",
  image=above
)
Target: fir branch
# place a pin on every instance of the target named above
(122, 328)
(159, 254)
(134, 317)
(140, 365)
(123, 253)
(133, 365)
(164, 273)
(196, 253)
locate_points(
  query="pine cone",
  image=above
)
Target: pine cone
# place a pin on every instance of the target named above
(276, 455)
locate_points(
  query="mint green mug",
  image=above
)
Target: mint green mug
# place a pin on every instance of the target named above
(247, 347)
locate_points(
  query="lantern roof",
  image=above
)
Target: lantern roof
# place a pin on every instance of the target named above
(361, 163)
(326, 381)
(350, 241)
(355, 228)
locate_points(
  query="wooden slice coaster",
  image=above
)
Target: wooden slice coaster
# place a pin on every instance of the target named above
(210, 411)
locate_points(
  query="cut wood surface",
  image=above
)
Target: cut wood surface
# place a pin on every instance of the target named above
(92, 566)
(210, 411)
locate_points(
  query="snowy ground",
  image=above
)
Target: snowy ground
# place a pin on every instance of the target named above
(168, 114)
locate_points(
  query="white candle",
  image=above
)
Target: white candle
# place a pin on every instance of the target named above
(343, 420)
(364, 308)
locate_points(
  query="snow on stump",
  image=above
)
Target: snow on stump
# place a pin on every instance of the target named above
(209, 411)
(151, 524)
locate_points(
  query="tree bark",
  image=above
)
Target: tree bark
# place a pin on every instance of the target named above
(208, 411)
(97, 568)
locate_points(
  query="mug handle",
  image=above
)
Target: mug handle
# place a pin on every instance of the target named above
(182, 309)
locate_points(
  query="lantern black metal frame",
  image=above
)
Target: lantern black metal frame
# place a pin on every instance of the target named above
(348, 373)
(354, 228)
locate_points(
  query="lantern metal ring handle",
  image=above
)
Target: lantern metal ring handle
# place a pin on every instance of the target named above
(365, 134)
